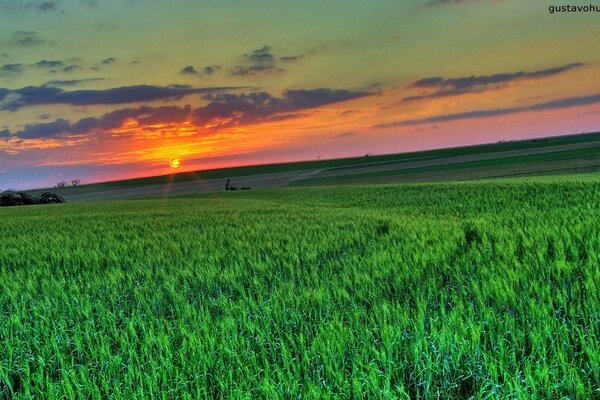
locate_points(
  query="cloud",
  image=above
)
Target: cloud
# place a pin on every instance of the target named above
(42, 95)
(261, 56)
(262, 60)
(12, 5)
(240, 109)
(291, 58)
(71, 68)
(207, 70)
(50, 64)
(47, 6)
(144, 115)
(71, 82)
(221, 111)
(257, 61)
(44, 130)
(442, 87)
(11, 69)
(210, 69)
(550, 105)
(189, 70)
(345, 134)
(26, 39)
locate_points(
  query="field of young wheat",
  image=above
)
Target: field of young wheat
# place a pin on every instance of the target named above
(459, 290)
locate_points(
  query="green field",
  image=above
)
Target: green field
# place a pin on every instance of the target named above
(483, 289)
(569, 154)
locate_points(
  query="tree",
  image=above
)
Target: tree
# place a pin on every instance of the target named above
(10, 199)
(61, 184)
(49, 198)
(75, 182)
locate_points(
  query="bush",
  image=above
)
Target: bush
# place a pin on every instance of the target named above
(11, 199)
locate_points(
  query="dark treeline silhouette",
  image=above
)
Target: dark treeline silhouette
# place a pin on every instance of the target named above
(11, 199)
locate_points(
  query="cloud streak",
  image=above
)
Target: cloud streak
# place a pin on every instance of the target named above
(44, 95)
(26, 39)
(443, 87)
(568, 102)
(225, 110)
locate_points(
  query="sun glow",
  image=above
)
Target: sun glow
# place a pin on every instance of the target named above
(175, 163)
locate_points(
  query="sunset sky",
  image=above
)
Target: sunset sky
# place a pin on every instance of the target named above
(110, 89)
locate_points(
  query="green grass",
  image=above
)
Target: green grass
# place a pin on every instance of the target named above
(505, 161)
(465, 290)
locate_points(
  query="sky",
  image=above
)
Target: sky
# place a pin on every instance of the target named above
(113, 89)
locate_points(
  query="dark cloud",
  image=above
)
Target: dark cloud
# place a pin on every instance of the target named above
(72, 82)
(71, 68)
(241, 70)
(253, 69)
(44, 131)
(258, 61)
(11, 69)
(291, 58)
(49, 64)
(144, 115)
(26, 39)
(443, 87)
(262, 60)
(108, 61)
(550, 105)
(62, 128)
(210, 69)
(4, 93)
(28, 5)
(41, 95)
(222, 110)
(189, 70)
(241, 109)
(261, 56)
(47, 6)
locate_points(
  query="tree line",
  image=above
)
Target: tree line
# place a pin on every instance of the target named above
(11, 199)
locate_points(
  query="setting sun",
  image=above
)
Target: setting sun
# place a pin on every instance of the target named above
(175, 163)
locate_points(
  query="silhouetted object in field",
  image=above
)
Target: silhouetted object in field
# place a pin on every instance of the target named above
(11, 199)
(228, 186)
(76, 182)
(61, 184)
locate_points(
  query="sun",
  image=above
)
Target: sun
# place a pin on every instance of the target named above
(175, 163)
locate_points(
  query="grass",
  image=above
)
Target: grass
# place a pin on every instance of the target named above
(456, 290)
(399, 170)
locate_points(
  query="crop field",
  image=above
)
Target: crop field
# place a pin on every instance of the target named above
(559, 155)
(483, 289)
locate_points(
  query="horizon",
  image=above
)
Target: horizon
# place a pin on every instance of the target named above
(221, 85)
(355, 156)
